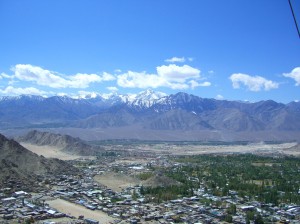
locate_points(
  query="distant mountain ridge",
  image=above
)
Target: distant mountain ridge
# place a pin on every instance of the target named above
(150, 110)
(66, 143)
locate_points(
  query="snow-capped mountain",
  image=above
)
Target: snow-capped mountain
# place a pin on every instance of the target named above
(150, 110)
(145, 99)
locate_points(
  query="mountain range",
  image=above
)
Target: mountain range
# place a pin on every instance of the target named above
(151, 111)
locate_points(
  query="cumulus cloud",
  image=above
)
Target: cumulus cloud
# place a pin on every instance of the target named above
(171, 76)
(81, 80)
(43, 77)
(177, 73)
(10, 90)
(175, 59)
(107, 77)
(4, 75)
(112, 89)
(195, 84)
(141, 80)
(294, 74)
(219, 97)
(118, 70)
(204, 84)
(178, 85)
(85, 94)
(253, 83)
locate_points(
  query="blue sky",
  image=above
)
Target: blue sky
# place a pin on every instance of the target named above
(229, 49)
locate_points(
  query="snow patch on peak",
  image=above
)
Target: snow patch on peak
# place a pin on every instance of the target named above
(147, 98)
(108, 96)
(131, 97)
(149, 94)
(118, 97)
(143, 99)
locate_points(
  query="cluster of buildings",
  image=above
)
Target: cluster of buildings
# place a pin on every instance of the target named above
(130, 206)
(21, 207)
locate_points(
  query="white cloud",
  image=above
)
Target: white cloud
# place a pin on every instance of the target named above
(118, 70)
(40, 76)
(140, 80)
(179, 60)
(171, 76)
(10, 90)
(6, 76)
(219, 97)
(176, 73)
(175, 59)
(3, 75)
(178, 85)
(294, 74)
(195, 84)
(112, 89)
(81, 80)
(63, 94)
(86, 94)
(43, 77)
(107, 77)
(12, 82)
(205, 84)
(253, 83)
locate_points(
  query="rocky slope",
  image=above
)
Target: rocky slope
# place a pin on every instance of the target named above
(20, 166)
(65, 143)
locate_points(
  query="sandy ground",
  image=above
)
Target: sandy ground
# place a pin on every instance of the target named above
(49, 152)
(116, 181)
(258, 148)
(77, 210)
(173, 149)
(131, 161)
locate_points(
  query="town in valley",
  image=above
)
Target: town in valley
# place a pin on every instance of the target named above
(161, 182)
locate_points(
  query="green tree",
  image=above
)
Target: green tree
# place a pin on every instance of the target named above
(134, 195)
(258, 219)
(250, 215)
(228, 218)
(232, 209)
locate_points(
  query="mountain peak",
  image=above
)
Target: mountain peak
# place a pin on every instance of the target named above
(150, 94)
(147, 98)
(185, 97)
